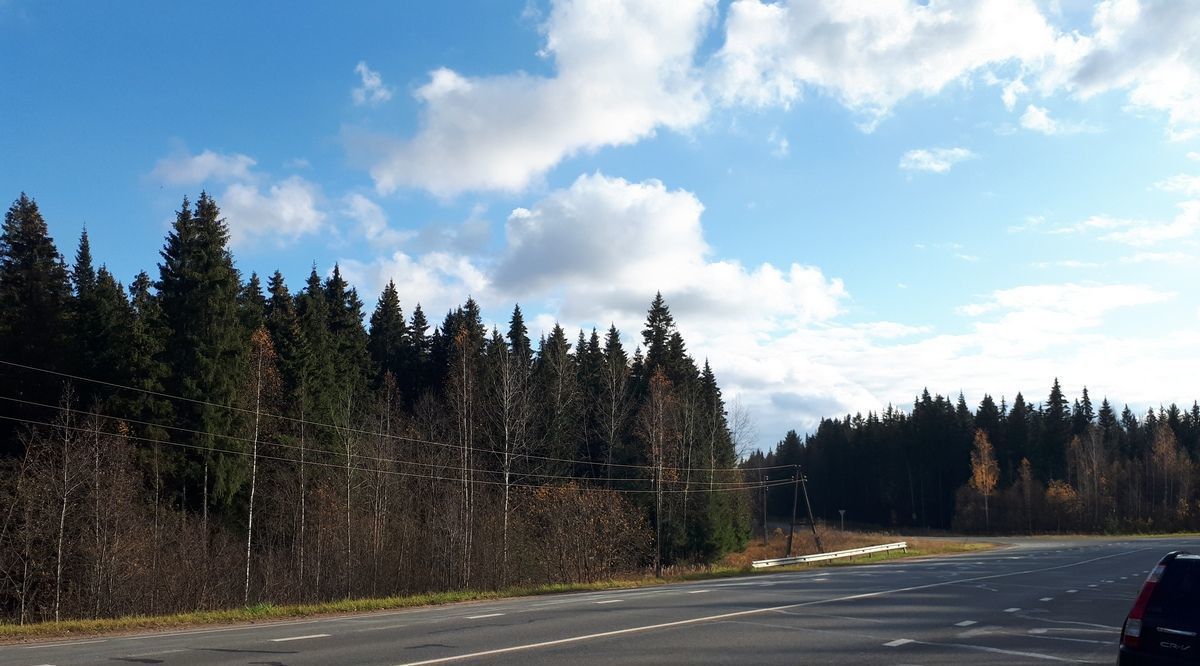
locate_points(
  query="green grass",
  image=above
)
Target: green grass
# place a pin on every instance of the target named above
(267, 612)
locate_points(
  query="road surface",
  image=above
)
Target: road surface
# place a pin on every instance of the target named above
(1035, 601)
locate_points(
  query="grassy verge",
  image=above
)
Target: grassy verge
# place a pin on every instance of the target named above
(734, 565)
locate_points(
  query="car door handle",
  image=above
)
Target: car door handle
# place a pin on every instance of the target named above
(1176, 632)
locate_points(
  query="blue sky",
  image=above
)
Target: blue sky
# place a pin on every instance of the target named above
(843, 202)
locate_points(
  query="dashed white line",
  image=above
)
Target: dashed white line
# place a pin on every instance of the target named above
(1046, 599)
(898, 642)
(298, 638)
(1093, 585)
(1011, 610)
(480, 617)
(698, 591)
(610, 601)
(965, 623)
(1072, 591)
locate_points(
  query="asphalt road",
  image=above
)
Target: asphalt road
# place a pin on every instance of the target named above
(1036, 601)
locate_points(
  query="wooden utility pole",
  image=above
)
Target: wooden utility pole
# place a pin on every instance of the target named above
(765, 479)
(795, 495)
(811, 521)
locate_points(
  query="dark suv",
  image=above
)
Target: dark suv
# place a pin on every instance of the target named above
(1164, 624)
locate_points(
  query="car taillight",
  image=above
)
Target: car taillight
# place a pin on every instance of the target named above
(1131, 634)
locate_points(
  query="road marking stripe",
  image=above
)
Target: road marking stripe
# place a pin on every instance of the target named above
(46, 645)
(609, 601)
(1011, 610)
(1072, 591)
(965, 623)
(898, 642)
(1046, 599)
(480, 617)
(298, 638)
(699, 591)
(775, 609)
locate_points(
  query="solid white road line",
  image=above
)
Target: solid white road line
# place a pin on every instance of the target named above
(898, 642)
(46, 645)
(298, 638)
(1072, 591)
(965, 623)
(1046, 599)
(699, 591)
(480, 617)
(609, 601)
(1011, 610)
(775, 609)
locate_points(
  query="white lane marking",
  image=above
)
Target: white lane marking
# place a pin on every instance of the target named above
(775, 609)
(1072, 591)
(1046, 599)
(698, 591)
(153, 654)
(383, 628)
(898, 642)
(298, 638)
(965, 623)
(46, 645)
(1093, 585)
(1011, 610)
(609, 601)
(480, 617)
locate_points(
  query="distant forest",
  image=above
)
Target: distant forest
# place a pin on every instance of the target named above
(1054, 466)
(198, 439)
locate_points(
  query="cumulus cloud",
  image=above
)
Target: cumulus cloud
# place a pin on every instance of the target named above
(439, 281)
(870, 55)
(207, 166)
(1143, 233)
(281, 212)
(255, 207)
(370, 91)
(372, 221)
(1037, 119)
(935, 160)
(1148, 49)
(624, 70)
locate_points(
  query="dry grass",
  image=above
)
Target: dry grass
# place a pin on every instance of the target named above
(736, 564)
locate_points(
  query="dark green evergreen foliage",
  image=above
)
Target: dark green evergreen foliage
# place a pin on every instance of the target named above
(417, 378)
(1050, 455)
(101, 318)
(388, 337)
(198, 294)
(347, 337)
(656, 337)
(148, 371)
(321, 398)
(35, 308)
(556, 389)
(252, 305)
(518, 337)
(291, 347)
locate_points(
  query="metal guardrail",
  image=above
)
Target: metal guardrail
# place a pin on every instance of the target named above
(899, 545)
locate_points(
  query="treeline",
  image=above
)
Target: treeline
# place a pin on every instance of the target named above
(201, 440)
(1057, 465)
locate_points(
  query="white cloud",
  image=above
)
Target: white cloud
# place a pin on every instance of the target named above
(283, 212)
(870, 55)
(1179, 258)
(779, 143)
(1183, 183)
(372, 221)
(254, 207)
(208, 166)
(624, 70)
(1194, 156)
(1148, 49)
(371, 90)
(439, 281)
(1038, 119)
(935, 160)
(1141, 233)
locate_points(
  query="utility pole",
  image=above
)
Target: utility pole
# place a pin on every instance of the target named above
(811, 521)
(765, 479)
(795, 494)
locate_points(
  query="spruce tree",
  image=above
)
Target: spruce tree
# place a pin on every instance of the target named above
(387, 340)
(34, 312)
(347, 337)
(198, 293)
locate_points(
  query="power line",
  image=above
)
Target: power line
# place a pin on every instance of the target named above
(358, 431)
(700, 487)
(315, 450)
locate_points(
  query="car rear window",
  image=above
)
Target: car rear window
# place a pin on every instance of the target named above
(1178, 593)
